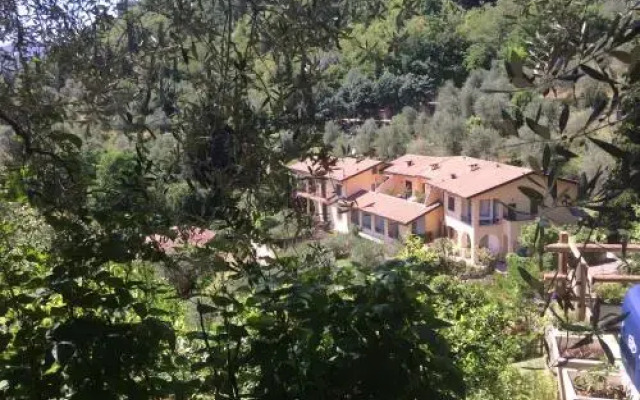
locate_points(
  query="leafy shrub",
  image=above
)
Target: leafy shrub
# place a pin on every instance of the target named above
(443, 246)
(611, 293)
(518, 384)
(512, 282)
(551, 234)
(414, 248)
(486, 258)
(630, 266)
(477, 335)
(527, 237)
(367, 253)
(339, 245)
(62, 322)
(327, 312)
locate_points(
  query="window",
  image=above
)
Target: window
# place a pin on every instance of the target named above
(485, 208)
(366, 220)
(355, 217)
(417, 226)
(325, 213)
(338, 190)
(511, 212)
(373, 187)
(394, 230)
(451, 203)
(301, 185)
(533, 207)
(408, 187)
(323, 188)
(380, 225)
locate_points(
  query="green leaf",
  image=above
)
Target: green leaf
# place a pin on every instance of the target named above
(534, 283)
(425, 333)
(532, 194)
(63, 351)
(607, 350)
(613, 150)
(546, 157)
(538, 129)
(564, 117)
(610, 323)
(261, 321)
(574, 327)
(162, 330)
(561, 151)
(583, 342)
(599, 76)
(597, 110)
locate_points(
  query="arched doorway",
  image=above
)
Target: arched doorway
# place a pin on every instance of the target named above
(465, 244)
(490, 242)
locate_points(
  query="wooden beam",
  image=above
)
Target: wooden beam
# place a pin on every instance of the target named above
(549, 276)
(592, 247)
(616, 278)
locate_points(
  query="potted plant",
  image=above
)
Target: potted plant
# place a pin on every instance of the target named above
(610, 295)
(599, 383)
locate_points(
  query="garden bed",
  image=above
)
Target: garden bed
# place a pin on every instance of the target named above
(561, 353)
(582, 385)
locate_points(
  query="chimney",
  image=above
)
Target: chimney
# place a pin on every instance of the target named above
(435, 166)
(453, 176)
(409, 163)
(474, 167)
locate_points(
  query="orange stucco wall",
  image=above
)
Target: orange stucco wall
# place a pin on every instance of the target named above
(362, 181)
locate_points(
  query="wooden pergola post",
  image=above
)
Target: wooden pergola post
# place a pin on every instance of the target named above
(563, 264)
(581, 280)
(563, 260)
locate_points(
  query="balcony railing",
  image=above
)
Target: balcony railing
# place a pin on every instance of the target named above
(466, 219)
(518, 216)
(484, 221)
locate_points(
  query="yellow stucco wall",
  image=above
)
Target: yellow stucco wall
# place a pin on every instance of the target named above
(507, 232)
(504, 232)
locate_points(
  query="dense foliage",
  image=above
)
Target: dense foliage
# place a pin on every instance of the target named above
(128, 127)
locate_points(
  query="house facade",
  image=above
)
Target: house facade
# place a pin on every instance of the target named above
(476, 203)
(322, 192)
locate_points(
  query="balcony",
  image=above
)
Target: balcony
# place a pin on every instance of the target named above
(466, 219)
(484, 221)
(514, 216)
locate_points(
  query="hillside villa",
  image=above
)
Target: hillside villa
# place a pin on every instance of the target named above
(476, 203)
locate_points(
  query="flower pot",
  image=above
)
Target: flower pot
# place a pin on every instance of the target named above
(606, 309)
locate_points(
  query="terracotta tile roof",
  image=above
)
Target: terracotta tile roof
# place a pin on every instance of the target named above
(197, 237)
(460, 175)
(395, 208)
(344, 168)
